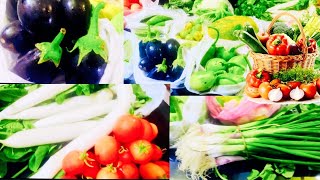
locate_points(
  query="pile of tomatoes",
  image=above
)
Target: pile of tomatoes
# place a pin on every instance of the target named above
(261, 84)
(127, 153)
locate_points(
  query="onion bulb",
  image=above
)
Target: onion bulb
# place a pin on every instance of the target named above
(297, 94)
(275, 95)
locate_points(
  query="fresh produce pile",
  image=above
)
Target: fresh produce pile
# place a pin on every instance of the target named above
(42, 124)
(76, 55)
(284, 137)
(297, 84)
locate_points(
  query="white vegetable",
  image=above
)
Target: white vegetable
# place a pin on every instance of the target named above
(47, 110)
(80, 114)
(50, 135)
(88, 139)
(275, 95)
(35, 97)
(297, 94)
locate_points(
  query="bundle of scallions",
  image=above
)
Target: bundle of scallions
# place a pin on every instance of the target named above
(291, 136)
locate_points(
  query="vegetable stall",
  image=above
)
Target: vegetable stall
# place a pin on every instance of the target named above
(69, 41)
(231, 137)
(83, 131)
(214, 46)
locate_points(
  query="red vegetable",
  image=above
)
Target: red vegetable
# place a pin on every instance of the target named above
(130, 171)
(309, 89)
(294, 84)
(263, 37)
(106, 150)
(285, 90)
(278, 45)
(311, 43)
(92, 167)
(141, 151)
(152, 171)
(74, 162)
(157, 153)
(128, 129)
(264, 90)
(252, 91)
(110, 172)
(256, 77)
(318, 85)
(165, 166)
(147, 133)
(124, 155)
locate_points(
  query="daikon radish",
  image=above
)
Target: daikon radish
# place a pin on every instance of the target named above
(88, 139)
(39, 112)
(35, 97)
(79, 114)
(50, 135)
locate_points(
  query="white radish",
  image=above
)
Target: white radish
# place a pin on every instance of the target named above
(88, 139)
(79, 114)
(50, 135)
(39, 112)
(35, 97)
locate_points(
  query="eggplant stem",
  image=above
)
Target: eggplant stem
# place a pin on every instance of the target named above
(94, 21)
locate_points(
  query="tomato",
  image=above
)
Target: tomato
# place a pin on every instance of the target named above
(147, 133)
(285, 91)
(141, 151)
(152, 171)
(130, 171)
(157, 153)
(106, 150)
(127, 3)
(251, 91)
(256, 77)
(124, 155)
(275, 82)
(109, 172)
(264, 90)
(165, 166)
(92, 167)
(318, 85)
(135, 7)
(128, 129)
(73, 163)
(155, 130)
(68, 176)
(294, 84)
(309, 89)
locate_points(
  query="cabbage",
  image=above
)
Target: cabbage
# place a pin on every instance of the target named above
(237, 110)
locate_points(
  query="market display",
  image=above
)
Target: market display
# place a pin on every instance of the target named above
(50, 41)
(82, 132)
(210, 132)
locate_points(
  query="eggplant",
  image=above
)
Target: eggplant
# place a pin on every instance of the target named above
(154, 51)
(171, 50)
(142, 49)
(175, 73)
(40, 17)
(159, 72)
(76, 16)
(11, 10)
(16, 39)
(145, 65)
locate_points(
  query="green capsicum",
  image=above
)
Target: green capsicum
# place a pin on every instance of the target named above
(211, 51)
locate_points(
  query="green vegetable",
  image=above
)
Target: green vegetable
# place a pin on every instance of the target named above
(229, 79)
(281, 27)
(211, 51)
(227, 54)
(216, 64)
(141, 98)
(297, 74)
(202, 81)
(212, 10)
(302, 4)
(157, 19)
(251, 41)
(186, 5)
(176, 105)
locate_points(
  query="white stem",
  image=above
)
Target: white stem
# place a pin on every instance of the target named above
(81, 114)
(88, 139)
(47, 110)
(50, 135)
(35, 97)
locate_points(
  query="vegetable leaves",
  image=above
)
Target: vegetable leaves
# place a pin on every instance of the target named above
(141, 98)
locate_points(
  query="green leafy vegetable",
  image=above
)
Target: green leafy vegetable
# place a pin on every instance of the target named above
(297, 74)
(186, 5)
(302, 4)
(141, 98)
(3, 169)
(38, 156)
(212, 10)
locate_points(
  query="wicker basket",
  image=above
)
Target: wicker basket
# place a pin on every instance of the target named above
(273, 64)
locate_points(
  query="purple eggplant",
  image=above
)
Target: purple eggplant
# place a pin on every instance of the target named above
(16, 39)
(177, 68)
(11, 10)
(159, 72)
(171, 50)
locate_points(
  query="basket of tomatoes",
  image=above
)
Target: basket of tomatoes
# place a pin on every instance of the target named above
(282, 47)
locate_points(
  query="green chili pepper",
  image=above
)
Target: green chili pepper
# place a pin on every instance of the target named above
(157, 19)
(227, 54)
(216, 64)
(211, 51)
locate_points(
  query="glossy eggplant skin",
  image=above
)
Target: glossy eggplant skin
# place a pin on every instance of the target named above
(175, 73)
(11, 10)
(27, 67)
(16, 39)
(76, 18)
(170, 50)
(158, 75)
(40, 17)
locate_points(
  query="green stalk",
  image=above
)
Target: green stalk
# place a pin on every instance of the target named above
(286, 136)
(285, 161)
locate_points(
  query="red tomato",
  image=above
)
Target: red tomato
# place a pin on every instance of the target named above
(318, 85)
(124, 155)
(294, 84)
(309, 89)
(155, 130)
(106, 150)
(157, 153)
(152, 171)
(165, 166)
(141, 151)
(147, 131)
(92, 167)
(275, 82)
(130, 171)
(109, 172)
(285, 90)
(264, 90)
(127, 3)
(128, 129)
(68, 176)
(252, 91)
(135, 7)
(73, 163)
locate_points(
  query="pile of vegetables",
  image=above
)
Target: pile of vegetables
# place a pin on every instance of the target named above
(44, 56)
(41, 124)
(297, 84)
(126, 154)
(287, 138)
(131, 6)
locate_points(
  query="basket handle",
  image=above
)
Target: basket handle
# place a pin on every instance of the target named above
(303, 35)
